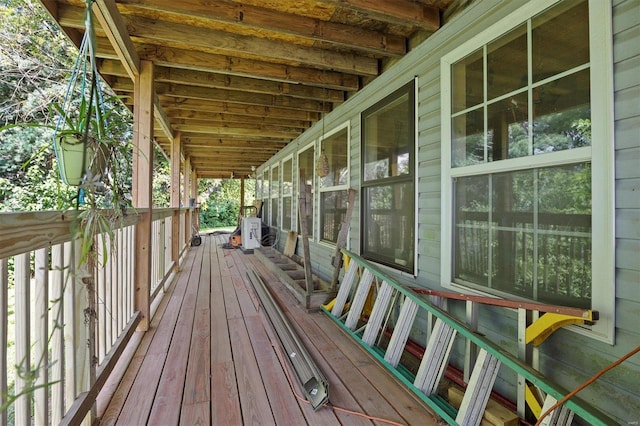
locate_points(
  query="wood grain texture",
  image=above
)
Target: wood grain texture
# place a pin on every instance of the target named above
(218, 364)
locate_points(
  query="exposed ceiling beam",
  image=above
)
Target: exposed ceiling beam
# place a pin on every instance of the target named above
(233, 118)
(207, 94)
(255, 131)
(210, 62)
(241, 120)
(172, 34)
(72, 17)
(170, 102)
(205, 140)
(190, 92)
(231, 82)
(161, 118)
(401, 12)
(245, 84)
(116, 30)
(269, 20)
(237, 124)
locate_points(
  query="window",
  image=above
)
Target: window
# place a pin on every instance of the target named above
(333, 175)
(275, 196)
(265, 196)
(529, 152)
(388, 210)
(287, 192)
(306, 169)
(258, 186)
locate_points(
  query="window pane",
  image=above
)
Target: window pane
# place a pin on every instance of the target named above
(259, 186)
(287, 177)
(512, 222)
(333, 209)
(560, 39)
(306, 167)
(467, 78)
(388, 140)
(562, 114)
(265, 185)
(471, 230)
(388, 229)
(468, 138)
(335, 150)
(526, 233)
(508, 128)
(274, 212)
(564, 237)
(507, 63)
(275, 181)
(286, 213)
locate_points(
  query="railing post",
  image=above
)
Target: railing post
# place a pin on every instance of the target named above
(185, 200)
(40, 347)
(176, 149)
(142, 180)
(22, 339)
(4, 314)
(57, 341)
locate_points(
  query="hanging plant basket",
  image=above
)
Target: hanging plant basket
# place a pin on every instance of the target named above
(322, 165)
(78, 158)
(82, 128)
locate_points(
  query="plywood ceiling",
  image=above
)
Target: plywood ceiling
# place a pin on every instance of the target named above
(241, 79)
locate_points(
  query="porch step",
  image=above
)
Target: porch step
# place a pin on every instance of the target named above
(292, 275)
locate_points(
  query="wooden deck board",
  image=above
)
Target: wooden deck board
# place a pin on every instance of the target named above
(169, 395)
(209, 358)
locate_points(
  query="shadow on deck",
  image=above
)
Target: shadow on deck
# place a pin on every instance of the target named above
(208, 358)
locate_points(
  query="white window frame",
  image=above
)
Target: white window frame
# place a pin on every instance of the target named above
(600, 154)
(346, 125)
(310, 145)
(415, 181)
(290, 195)
(266, 177)
(275, 194)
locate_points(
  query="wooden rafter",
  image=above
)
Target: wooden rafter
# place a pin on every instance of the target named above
(240, 79)
(272, 21)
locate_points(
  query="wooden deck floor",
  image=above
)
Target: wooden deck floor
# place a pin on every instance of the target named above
(208, 358)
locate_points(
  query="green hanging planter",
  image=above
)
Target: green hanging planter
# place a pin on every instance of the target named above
(76, 158)
(71, 157)
(82, 123)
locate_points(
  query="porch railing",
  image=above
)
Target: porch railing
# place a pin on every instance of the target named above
(63, 324)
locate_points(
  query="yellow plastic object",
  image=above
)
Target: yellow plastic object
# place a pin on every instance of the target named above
(532, 401)
(547, 324)
(329, 306)
(346, 260)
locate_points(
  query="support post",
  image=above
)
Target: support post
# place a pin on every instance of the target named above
(241, 194)
(194, 196)
(174, 202)
(142, 181)
(185, 199)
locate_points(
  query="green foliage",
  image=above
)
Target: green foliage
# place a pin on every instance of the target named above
(220, 201)
(35, 58)
(161, 179)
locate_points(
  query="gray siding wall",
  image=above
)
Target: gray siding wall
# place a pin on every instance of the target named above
(567, 357)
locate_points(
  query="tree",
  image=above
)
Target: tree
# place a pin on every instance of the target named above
(36, 60)
(220, 201)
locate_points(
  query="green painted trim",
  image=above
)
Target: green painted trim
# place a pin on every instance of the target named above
(440, 406)
(579, 407)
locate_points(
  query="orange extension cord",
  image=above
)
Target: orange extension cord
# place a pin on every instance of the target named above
(587, 383)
